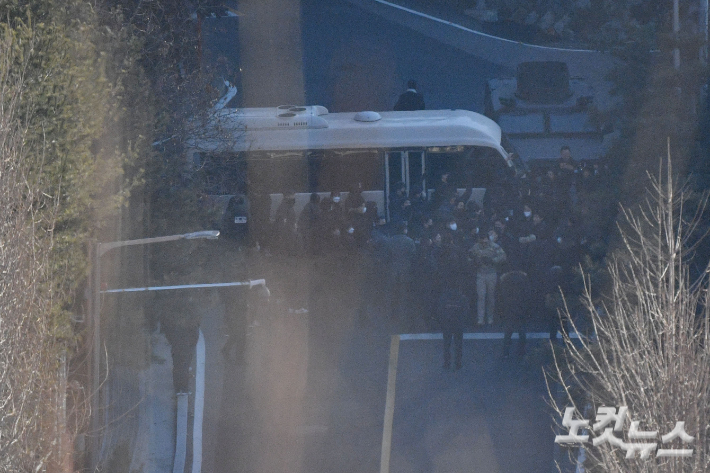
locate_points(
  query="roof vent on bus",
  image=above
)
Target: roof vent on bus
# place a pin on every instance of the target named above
(283, 117)
(367, 116)
(290, 111)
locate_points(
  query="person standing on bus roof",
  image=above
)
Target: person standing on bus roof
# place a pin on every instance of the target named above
(410, 100)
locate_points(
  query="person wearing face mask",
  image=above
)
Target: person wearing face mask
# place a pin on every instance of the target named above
(362, 218)
(333, 221)
(524, 230)
(488, 258)
(452, 232)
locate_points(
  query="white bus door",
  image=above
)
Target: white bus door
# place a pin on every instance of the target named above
(406, 167)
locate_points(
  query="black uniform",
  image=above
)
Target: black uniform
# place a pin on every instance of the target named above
(180, 322)
(513, 307)
(235, 222)
(451, 311)
(409, 101)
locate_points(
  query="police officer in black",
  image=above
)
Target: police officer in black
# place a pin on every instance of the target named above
(452, 309)
(410, 99)
(513, 305)
(235, 223)
(179, 316)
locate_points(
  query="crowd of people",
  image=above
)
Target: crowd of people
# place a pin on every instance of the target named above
(541, 225)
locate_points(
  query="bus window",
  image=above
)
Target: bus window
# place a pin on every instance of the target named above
(477, 167)
(315, 164)
(278, 173)
(444, 161)
(339, 170)
(486, 168)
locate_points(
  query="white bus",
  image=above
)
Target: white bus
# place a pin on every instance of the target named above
(307, 149)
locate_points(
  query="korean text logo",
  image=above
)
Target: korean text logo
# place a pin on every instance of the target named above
(642, 442)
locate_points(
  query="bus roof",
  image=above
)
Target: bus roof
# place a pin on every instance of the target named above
(312, 127)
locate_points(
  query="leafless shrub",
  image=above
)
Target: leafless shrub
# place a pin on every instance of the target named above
(30, 356)
(650, 349)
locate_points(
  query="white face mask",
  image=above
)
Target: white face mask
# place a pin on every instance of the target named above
(527, 214)
(336, 199)
(492, 238)
(364, 209)
(453, 226)
(351, 230)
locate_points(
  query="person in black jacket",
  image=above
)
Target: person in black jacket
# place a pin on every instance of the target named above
(452, 309)
(410, 99)
(514, 307)
(180, 317)
(235, 222)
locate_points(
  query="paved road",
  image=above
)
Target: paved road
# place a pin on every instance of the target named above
(308, 393)
(356, 59)
(358, 54)
(489, 417)
(451, 27)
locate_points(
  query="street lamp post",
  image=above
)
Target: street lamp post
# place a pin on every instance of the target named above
(100, 250)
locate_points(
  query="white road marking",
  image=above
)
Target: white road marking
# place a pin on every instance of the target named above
(469, 30)
(199, 404)
(480, 336)
(181, 434)
(389, 405)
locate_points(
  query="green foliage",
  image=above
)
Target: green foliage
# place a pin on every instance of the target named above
(86, 108)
